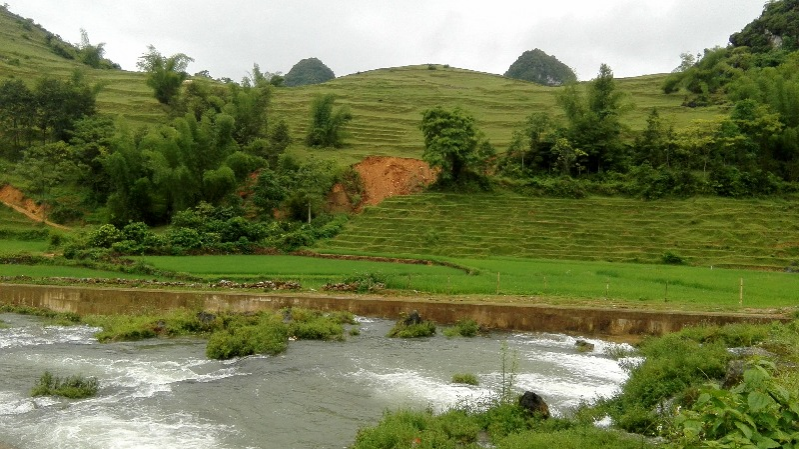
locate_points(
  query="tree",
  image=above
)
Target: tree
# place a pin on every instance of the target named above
(541, 68)
(567, 156)
(164, 74)
(60, 104)
(326, 124)
(91, 55)
(17, 113)
(451, 142)
(776, 29)
(594, 125)
(308, 71)
(655, 144)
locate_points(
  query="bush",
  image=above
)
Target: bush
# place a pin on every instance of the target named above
(423, 329)
(268, 336)
(314, 325)
(673, 367)
(756, 413)
(669, 258)
(72, 387)
(463, 328)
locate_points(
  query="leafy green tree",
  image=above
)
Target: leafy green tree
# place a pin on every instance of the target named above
(48, 166)
(279, 138)
(541, 68)
(91, 55)
(777, 28)
(530, 148)
(327, 124)
(17, 115)
(655, 144)
(164, 74)
(308, 71)
(451, 143)
(567, 156)
(59, 105)
(594, 124)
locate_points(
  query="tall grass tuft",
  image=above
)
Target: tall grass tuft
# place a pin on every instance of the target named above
(72, 387)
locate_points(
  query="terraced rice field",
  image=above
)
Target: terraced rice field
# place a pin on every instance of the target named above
(718, 232)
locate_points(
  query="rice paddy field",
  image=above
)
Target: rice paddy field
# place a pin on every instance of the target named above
(520, 280)
(758, 234)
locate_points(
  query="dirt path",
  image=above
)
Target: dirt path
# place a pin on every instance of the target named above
(15, 199)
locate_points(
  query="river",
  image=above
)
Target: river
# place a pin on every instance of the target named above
(166, 394)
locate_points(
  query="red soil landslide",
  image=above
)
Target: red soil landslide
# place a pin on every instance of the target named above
(14, 198)
(384, 177)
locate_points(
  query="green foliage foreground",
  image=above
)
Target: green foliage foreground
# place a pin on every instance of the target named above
(683, 391)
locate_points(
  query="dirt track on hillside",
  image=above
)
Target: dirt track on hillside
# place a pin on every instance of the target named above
(15, 199)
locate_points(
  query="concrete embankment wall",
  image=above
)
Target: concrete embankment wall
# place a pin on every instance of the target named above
(536, 318)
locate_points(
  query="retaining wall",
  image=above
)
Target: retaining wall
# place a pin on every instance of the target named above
(535, 318)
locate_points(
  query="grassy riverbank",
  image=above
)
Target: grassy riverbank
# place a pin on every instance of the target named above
(558, 281)
(687, 390)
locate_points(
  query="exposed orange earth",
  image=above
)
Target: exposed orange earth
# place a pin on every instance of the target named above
(384, 177)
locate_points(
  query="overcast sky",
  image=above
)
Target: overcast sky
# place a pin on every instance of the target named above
(634, 37)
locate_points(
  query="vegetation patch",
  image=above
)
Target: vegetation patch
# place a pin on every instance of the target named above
(266, 335)
(72, 387)
(463, 328)
(413, 330)
(465, 378)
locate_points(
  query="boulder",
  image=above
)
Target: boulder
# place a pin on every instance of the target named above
(413, 318)
(205, 317)
(584, 346)
(534, 404)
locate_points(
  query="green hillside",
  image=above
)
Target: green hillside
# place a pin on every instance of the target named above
(25, 54)
(702, 231)
(386, 103)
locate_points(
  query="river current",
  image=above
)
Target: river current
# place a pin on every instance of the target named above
(167, 394)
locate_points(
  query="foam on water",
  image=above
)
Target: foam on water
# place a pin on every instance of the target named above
(101, 427)
(413, 388)
(16, 337)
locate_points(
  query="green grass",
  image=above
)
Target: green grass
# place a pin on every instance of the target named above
(311, 272)
(638, 284)
(8, 246)
(702, 231)
(48, 271)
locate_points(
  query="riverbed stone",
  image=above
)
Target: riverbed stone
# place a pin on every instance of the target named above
(534, 404)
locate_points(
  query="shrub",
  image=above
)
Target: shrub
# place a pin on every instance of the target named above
(463, 328)
(673, 367)
(670, 258)
(72, 387)
(268, 336)
(756, 413)
(423, 329)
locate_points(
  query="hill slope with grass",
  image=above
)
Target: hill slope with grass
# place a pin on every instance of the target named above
(386, 104)
(27, 51)
(700, 231)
